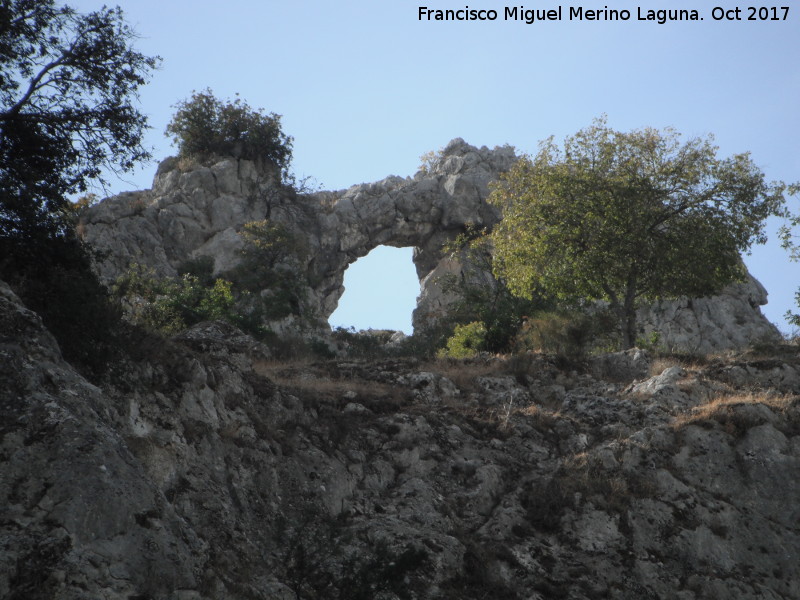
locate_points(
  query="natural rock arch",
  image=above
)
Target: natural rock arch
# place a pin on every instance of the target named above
(199, 212)
(422, 212)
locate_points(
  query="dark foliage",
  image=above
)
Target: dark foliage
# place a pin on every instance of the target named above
(68, 83)
(54, 278)
(483, 298)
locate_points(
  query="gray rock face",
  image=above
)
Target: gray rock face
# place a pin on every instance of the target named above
(81, 516)
(200, 469)
(703, 325)
(199, 212)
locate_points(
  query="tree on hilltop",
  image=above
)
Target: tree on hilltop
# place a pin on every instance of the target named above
(623, 217)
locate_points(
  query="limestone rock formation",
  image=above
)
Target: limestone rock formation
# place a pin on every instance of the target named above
(198, 211)
(199, 470)
(731, 319)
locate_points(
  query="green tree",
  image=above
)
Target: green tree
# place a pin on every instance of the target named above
(68, 91)
(790, 243)
(467, 340)
(482, 297)
(273, 271)
(68, 86)
(624, 217)
(205, 126)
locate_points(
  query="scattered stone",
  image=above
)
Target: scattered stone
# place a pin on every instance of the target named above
(188, 474)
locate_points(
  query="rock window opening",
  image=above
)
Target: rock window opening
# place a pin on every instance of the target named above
(381, 291)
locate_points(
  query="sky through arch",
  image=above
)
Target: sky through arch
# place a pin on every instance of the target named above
(381, 291)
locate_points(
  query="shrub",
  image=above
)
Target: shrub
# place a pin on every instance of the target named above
(201, 267)
(430, 160)
(361, 344)
(564, 333)
(269, 244)
(466, 341)
(650, 342)
(480, 296)
(264, 287)
(54, 278)
(169, 305)
(205, 126)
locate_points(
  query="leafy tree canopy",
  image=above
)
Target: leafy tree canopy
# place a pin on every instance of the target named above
(206, 126)
(628, 216)
(789, 241)
(68, 86)
(480, 297)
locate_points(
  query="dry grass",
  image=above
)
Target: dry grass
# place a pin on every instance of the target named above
(541, 417)
(581, 478)
(273, 368)
(690, 362)
(731, 411)
(188, 163)
(659, 365)
(337, 387)
(463, 373)
(301, 379)
(611, 487)
(138, 204)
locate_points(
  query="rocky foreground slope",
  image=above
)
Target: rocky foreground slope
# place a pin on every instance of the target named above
(201, 470)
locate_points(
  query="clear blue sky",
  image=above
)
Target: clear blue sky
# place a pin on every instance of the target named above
(366, 88)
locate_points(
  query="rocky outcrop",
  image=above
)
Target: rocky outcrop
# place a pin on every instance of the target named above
(198, 211)
(731, 319)
(200, 469)
(80, 514)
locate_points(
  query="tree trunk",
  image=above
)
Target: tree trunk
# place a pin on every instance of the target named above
(628, 326)
(628, 315)
(625, 312)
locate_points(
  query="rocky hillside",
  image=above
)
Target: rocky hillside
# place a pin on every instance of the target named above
(200, 469)
(198, 210)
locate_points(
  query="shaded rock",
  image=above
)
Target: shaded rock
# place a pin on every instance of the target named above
(198, 470)
(621, 366)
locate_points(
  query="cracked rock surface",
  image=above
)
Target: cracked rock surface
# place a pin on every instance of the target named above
(201, 469)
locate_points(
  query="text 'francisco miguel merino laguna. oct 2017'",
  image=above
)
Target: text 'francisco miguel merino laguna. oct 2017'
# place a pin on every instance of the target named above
(580, 13)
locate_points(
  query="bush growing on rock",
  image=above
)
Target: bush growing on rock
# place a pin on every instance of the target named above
(171, 304)
(68, 84)
(264, 287)
(466, 341)
(429, 161)
(270, 245)
(482, 297)
(790, 243)
(564, 333)
(201, 267)
(205, 126)
(271, 273)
